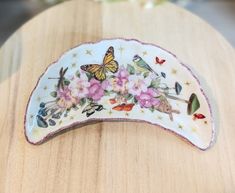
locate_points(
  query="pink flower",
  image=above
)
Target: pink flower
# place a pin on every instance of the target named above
(66, 100)
(147, 99)
(79, 86)
(122, 76)
(96, 89)
(137, 84)
(119, 82)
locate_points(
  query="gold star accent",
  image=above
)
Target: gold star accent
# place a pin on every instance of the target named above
(159, 117)
(142, 111)
(145, 53)
(39, 99)
(88, 52)
(45, 88)
(60, 122)
(205, 122)
(121, 49)
(71, 117)
(110, 112)
(187, 83)
(194, 130)
(36, 132)
(127, 114)
(173, 71)
(74, 65)
(74, 55)
(180, 126)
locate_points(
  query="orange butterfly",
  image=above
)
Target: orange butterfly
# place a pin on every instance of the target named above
(124, 107)
(99, 70)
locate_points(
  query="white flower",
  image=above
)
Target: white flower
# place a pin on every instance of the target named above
(79, 86)
(137, 84)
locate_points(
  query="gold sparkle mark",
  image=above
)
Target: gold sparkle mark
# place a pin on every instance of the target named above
(73, 65)
(121, 49)
(71, 117)
(173, 71)
(88, 52)
(127, 114)
(194, 130)
(187, 83)
(74, 55)
(38, 98)
(205, 122)
(60, 122)
(110, 112)
(180, 126)
(35, 132)
(142, 111)
(45, 88)
(159, 117)
(145, 53)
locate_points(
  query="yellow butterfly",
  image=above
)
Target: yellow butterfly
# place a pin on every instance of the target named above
(99, 70)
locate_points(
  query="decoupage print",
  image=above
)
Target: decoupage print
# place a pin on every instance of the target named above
(119, 81)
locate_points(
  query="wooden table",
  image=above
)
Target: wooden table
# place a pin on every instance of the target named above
(115, 157)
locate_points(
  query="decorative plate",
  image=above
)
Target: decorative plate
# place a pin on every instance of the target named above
(119, 80)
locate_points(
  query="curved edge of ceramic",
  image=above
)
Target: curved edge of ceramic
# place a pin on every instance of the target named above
(91, 120)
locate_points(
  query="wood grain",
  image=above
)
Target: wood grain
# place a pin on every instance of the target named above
(115, 157)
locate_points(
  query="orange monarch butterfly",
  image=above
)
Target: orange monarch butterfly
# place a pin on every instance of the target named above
(99, 70)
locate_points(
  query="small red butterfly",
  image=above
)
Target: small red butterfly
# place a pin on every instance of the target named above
(159, 61)
(198, 116)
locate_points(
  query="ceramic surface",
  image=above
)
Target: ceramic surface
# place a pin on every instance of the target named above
(119, 80)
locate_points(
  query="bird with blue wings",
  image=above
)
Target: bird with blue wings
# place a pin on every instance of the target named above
(142, 64)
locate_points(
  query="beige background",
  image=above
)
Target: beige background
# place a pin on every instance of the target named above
(115, 157)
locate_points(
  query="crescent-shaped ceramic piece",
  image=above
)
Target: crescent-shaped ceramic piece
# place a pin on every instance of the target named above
(119, 79)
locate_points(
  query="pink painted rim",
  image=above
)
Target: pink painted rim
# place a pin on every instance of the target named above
(213, 135)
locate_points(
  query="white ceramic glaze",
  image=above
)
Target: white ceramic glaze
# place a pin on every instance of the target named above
(128, 81)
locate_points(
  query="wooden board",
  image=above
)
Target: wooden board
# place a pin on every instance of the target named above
(115, 157)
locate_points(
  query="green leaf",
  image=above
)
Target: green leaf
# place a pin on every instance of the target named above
(75, 107)
(66, 82)
(89, 76)
(82, 102)
(78, 74)
(130, 69)
(178, 88)
(155, 83)
(151, 109)
(89, 100)
(146, 74)
(135, 100)
(128, 96)
(112, 92)
(112, 76)
(163, 74)
(193, 104)
(106, 93)
(53, 94)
